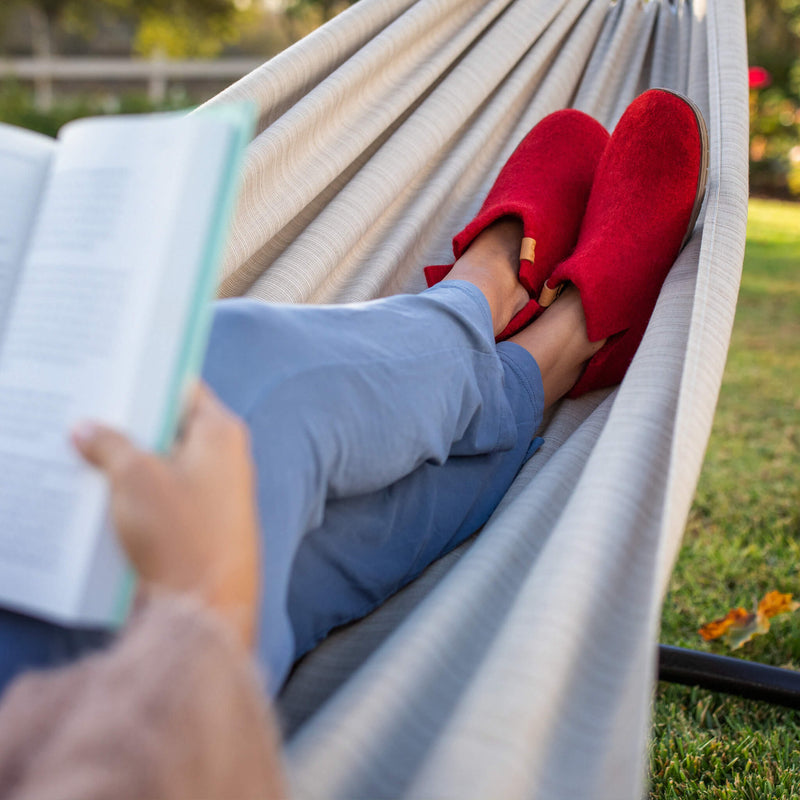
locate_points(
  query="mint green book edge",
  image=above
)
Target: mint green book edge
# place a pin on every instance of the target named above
(242, 117)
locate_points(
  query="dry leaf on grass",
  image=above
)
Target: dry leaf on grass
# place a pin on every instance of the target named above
(739, 625)
(774, 603)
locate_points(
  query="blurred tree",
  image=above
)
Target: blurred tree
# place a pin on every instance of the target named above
(773, 34)
(323, 9)
(773, 38)
(44, 16)
(183, 29)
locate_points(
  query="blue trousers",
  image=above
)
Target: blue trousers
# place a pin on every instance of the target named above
(383, 433)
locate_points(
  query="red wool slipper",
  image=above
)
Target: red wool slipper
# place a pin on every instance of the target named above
(546, 184)
(646, 196)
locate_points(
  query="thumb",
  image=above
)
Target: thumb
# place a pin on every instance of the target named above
(105, 448)
(208, 424)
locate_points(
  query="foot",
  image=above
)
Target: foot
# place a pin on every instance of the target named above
(644, 202)
(491, 263)
(558, 341)
(545, 184)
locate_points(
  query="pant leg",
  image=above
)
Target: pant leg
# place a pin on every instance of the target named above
(345, 400)
(369, 546)
(29, 643)
(340, 401)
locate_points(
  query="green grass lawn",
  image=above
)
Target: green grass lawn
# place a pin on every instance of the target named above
(742, 540)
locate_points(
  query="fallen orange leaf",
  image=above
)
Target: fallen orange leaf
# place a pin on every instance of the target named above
(739, 625)
(738, 635)
(718, 627)
(774, 603)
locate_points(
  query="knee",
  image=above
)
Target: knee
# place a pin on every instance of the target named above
(236, 349)
(242, 330)
(234, 322)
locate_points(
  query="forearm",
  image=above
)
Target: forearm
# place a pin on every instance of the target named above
(174, 709)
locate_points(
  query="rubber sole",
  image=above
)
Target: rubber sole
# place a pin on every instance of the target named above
(702, 179)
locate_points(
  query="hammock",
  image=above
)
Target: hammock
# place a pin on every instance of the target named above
(522, 664)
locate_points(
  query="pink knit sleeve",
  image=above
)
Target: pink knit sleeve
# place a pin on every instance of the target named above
(174, 709)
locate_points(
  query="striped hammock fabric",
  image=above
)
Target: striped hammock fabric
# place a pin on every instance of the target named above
(523, 664)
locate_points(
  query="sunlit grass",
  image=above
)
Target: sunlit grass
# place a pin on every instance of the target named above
(743, 539)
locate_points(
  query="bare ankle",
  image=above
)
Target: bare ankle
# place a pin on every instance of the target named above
(500, 242)
(492, 264)
(558, 341)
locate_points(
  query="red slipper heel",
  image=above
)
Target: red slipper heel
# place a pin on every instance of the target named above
(546, 184)
(647, 194)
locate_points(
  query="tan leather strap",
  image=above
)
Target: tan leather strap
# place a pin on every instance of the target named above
(548, 295)
(526, 250)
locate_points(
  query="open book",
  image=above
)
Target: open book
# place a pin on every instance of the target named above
(110, 238)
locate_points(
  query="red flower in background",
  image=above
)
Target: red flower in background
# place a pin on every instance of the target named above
(758, 78)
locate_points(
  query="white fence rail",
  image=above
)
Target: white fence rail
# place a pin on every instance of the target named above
(156, 74)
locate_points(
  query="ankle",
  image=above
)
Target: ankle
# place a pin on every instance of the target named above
(492, 263)
(571, 307)
(499, 243)
(558, 341)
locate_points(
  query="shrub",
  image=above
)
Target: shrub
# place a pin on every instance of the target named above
(774, 143)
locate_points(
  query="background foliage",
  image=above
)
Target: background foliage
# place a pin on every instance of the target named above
(160, 29)
(773, 34)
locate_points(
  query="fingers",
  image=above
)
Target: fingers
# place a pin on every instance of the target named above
(208, 430)
(193, 393)
(208, 426)
(108, 450)
(206, 405)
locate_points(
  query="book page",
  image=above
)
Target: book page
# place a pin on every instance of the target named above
(96, 258)
(24, 161)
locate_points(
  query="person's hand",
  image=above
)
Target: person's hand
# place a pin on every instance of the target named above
(188, 521)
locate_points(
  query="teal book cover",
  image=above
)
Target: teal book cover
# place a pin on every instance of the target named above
(241, 118)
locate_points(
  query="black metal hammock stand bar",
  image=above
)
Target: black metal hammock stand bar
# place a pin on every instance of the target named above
(731, 675)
